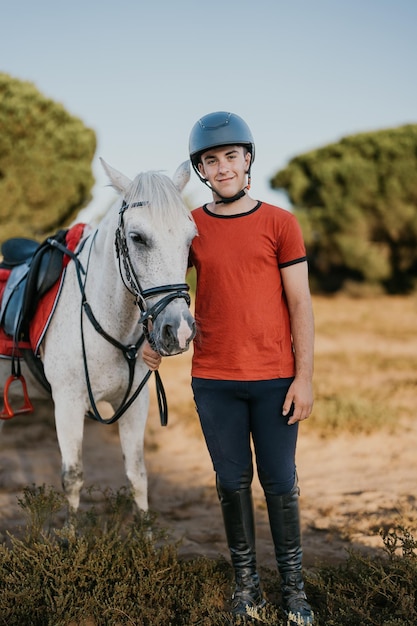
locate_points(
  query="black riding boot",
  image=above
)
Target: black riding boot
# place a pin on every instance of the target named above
(238, 517)
(284, 521)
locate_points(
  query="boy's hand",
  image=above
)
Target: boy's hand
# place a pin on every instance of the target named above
(150, 357)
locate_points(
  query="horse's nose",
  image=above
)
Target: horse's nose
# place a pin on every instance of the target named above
(176, 338)
(169, 337)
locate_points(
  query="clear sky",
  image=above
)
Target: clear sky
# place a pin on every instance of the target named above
(302, 73)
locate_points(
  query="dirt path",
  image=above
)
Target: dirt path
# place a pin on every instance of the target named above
(350, 486)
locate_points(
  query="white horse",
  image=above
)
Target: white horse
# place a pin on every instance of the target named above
(135, 264)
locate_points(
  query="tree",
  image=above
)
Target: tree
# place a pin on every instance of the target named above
(45, 162)
(356, 201)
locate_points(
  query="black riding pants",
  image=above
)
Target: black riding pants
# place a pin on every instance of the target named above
(234, 413)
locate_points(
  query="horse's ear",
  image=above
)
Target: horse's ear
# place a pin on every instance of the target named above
(182, 175)
(119, 181)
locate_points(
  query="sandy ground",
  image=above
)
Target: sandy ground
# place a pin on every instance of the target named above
(350, 486)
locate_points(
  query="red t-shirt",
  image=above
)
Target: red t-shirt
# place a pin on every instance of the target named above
(243, 325)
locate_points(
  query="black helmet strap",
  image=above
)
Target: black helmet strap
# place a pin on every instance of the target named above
(232, 199)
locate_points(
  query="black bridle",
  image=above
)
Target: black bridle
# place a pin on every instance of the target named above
(132, 283)
(148, 314)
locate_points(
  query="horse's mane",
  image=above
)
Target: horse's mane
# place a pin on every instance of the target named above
(164, 199)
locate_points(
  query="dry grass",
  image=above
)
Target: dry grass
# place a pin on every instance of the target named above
(365, 363)
(365, 366)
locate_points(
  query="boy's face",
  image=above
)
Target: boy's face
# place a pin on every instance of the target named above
(225, 168)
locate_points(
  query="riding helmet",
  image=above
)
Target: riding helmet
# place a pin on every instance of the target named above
(219, 129)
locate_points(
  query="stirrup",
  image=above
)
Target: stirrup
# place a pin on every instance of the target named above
(8, 412)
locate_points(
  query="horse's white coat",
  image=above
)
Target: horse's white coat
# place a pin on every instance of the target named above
(158, 236)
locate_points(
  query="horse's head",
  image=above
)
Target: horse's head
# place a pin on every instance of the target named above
(153, 237)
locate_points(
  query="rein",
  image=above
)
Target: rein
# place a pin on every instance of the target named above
(130, 352)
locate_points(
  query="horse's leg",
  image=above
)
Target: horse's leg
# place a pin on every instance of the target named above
(69, 420)
(132, 432)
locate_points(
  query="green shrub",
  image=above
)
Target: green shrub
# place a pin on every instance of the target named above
(45, 162)
(356, 201)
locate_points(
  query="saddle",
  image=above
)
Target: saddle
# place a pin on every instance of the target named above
(33, 269)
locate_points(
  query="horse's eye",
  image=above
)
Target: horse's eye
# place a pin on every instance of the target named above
(138, 239)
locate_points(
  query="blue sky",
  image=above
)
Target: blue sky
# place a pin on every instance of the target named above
(302, 73)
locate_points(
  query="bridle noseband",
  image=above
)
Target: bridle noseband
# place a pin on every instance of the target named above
(132, 283)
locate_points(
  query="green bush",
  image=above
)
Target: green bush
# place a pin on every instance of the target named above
(45, 162)
(356, 201)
